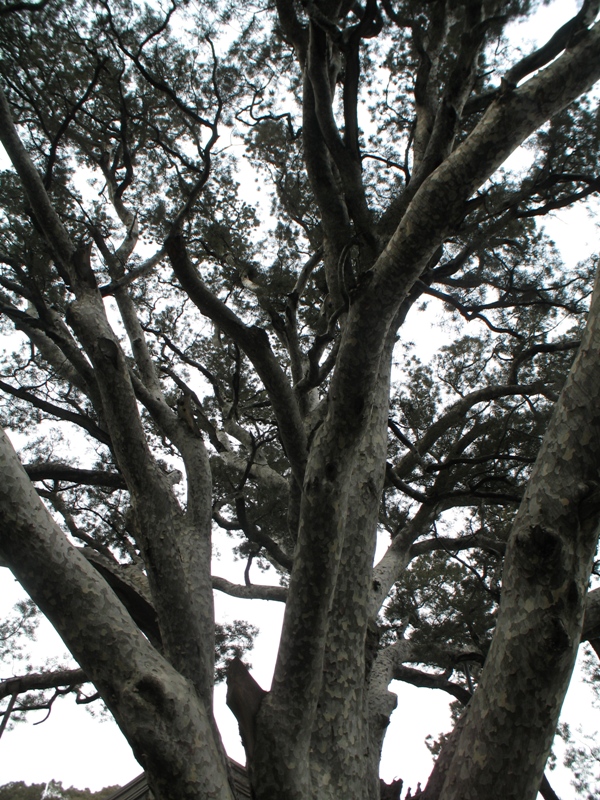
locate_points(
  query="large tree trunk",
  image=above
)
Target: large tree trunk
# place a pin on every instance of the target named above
(340, 741)
(516, 705)
(158, 710)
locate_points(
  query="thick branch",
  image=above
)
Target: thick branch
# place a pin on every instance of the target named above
(13, 7)
(426, 680)
(563, 37)
(33, 681)
(180, 577)
(63, 472)
(133, 679)
(546, 572)
(47, 218)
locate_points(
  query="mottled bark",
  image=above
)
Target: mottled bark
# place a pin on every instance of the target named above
(285, 724)
(340, 736)
(547, 566)
(157, 709)
(317, 734)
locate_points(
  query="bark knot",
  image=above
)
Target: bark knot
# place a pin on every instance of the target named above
(556, 636)
(331, 470)
(152, 692)
(542, 554)
(108, 351)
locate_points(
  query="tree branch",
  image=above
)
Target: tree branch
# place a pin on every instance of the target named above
(255, 343)
(42, 680)
(57, 411)
(64, 472)
(255, 592)
(562, 39)
(427, 680)
(12, 7)
(47, 218)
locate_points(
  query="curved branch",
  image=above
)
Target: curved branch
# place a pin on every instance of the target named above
(253, 534)
(464, 311)
(546, 571)
(347, 161)
(440, 202)
(455, 414)
(132, 275)
(562, 39)
(369, 26)
(68, 119)
(134, 680)
(57, 411)
(293, 31)
(47, 218)
(455, 545)
(154, 80)
(531, 352)
(255, 343)
(427, 680)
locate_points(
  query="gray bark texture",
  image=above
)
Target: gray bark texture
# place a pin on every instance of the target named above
(303, 432)
(546, 573)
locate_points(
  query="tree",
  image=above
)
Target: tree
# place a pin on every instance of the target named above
(37, 791)
(226, 371)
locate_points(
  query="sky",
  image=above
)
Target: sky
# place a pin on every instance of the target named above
(81, 750)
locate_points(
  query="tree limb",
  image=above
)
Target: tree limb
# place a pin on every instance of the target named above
(64, 472)
(255, 592)
(255, 343)
(42, 680)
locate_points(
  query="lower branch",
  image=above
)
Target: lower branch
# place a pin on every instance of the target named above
(42, 680)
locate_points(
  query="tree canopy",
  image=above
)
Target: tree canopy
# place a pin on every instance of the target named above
(219, 222)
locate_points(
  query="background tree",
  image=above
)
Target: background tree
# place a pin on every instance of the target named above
(18, 790)
(224, 365)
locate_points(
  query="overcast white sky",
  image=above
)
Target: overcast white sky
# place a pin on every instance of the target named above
(80, 750)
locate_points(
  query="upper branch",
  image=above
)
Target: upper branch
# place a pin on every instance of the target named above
(455, 414)
(47, 218)
(57, 411)
(255, 343)
(563, 38)
(64, 472)
(12, 7)
(346, 159)
(293, 30)
(254, 592)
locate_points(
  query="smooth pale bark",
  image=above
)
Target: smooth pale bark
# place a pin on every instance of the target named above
(157, 709)
(512, 718)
